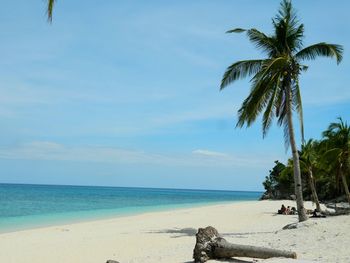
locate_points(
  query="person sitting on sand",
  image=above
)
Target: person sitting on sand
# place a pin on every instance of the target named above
(287, 210)
(293, 211)
(282, 210)
(316, 213)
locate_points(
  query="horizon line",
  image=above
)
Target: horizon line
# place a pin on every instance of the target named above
(137, 187)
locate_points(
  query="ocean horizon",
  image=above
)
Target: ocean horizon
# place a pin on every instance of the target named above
(26, 206)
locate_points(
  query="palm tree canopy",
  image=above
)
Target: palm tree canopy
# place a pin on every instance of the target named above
(275, 78)
(338, 141)
(308, 154)
(340, 131)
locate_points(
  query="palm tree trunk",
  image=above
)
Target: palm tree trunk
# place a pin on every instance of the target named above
(313, 190)
(296, 165)
(345, 184)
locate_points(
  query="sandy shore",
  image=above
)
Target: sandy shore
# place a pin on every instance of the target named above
(169, 236)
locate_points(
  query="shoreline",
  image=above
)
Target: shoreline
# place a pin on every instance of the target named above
(169, 236)
(114, 215)
(35, 206)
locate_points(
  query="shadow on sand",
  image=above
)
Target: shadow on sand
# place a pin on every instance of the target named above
(179, 232)
(190, 231)
(231, 260)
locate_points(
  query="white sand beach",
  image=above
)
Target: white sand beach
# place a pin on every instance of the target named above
(169, 236)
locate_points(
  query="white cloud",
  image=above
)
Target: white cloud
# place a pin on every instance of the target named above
(242, 160)
(213, 111)
(45, 150)
(209, 153)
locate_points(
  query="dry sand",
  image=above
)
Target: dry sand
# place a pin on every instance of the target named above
(169, 236)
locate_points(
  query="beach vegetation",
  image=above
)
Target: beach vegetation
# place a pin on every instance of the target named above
(337, 153)
(308, 162)
(325, 168)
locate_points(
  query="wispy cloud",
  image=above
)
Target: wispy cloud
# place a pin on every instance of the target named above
(46, 150)
(209, 153)
(244, 160)
(206, 112)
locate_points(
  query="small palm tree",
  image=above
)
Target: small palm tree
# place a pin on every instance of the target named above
(338, 143)
(309, 161)
(275, 90)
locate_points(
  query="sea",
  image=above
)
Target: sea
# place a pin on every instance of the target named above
(26, 206)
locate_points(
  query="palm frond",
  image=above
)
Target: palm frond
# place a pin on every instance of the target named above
(297, 102)
(273, 65)
(308, 153)
(267, 77)
(321, 49)
(332, 155)
(262, 90)
(280, 104)
(240, 70)
(303, 68)
(236, 30)
(288, 31)
(286, 133)
(253, 105)
(286, 11)
(50, 5)
(287, 16)
(262, 41)
(295, 37)
(269, 111)
(336, 129)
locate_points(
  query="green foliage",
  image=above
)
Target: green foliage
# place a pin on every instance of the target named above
(278, 183)
(326, 158)
(272, 180)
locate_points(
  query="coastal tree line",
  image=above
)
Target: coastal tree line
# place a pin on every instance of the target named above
(325, 168)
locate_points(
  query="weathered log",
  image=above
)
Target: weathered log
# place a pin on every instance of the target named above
(210, 245)
(339, 209)
(224, 249)
(205, 240)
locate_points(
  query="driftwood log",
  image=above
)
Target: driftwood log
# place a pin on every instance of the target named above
(210, 245)
(338, 210)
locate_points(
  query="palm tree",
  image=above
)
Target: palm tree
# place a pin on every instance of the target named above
(308, 161)
(49, 10)
(275, 90)
(338, 143)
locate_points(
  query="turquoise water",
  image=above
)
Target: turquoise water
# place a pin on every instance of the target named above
(28, 206)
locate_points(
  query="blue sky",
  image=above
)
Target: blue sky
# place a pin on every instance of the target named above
(126, 93)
